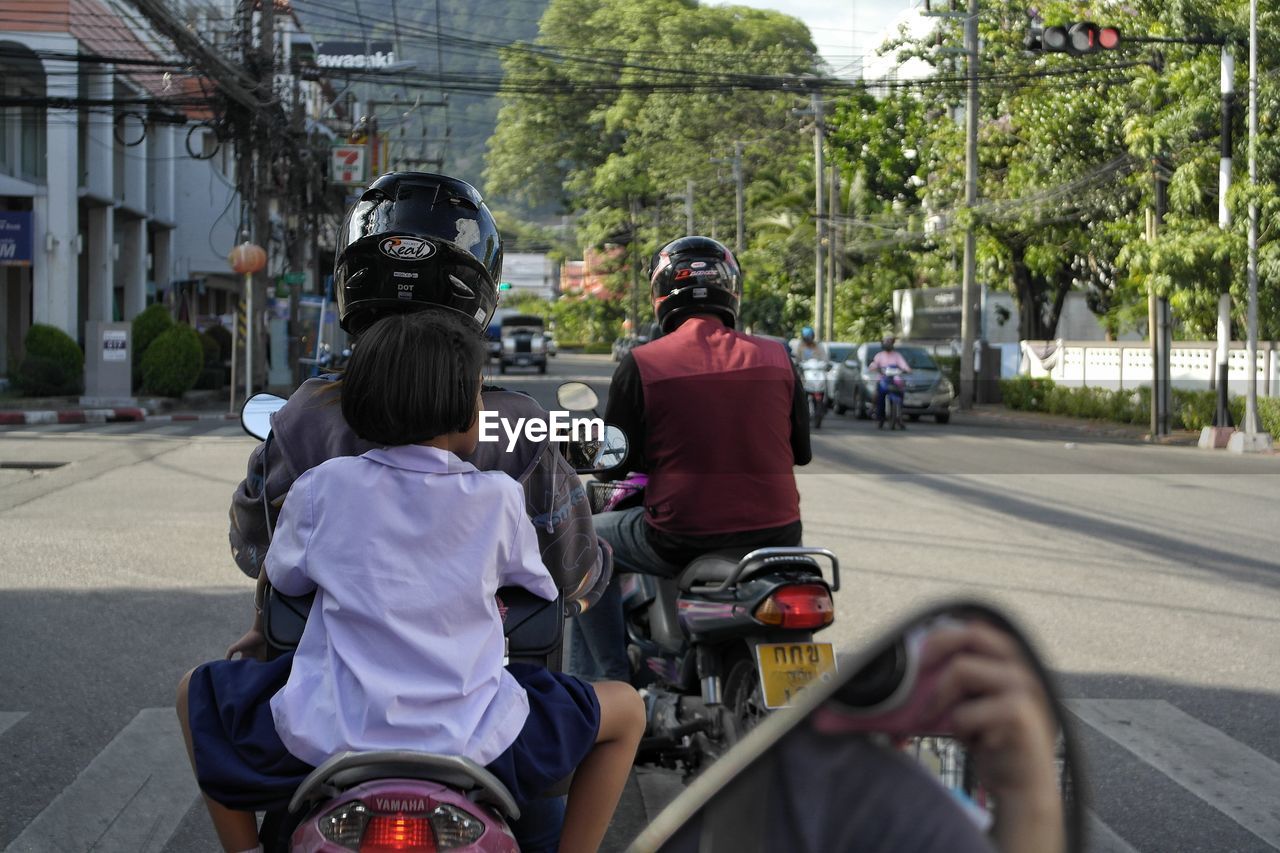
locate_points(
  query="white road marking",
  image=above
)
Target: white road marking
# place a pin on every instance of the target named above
(8, 718)
(130, 798)
(1100, 838)
(1236, 780)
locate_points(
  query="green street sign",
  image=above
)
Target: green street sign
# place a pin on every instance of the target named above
(292, 278)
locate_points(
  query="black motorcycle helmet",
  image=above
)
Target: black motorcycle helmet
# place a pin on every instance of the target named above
(416, 239)
(694, 275)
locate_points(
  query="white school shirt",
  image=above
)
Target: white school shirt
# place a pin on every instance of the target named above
(403, 649)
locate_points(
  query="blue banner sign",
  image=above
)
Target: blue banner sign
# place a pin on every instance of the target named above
(15, 238)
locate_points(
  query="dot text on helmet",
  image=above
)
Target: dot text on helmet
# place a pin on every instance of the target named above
(558, 426)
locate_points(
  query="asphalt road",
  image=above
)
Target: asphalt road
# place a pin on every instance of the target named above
(1149, 577)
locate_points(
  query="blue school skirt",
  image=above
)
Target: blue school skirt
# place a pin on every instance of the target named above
(242, 764)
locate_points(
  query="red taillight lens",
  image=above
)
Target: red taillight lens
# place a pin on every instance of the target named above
(398, 832)
(806, 605)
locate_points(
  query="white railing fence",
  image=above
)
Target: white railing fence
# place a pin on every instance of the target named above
(1192, 365)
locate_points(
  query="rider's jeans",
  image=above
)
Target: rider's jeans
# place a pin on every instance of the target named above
(882, 388)
(598, 637)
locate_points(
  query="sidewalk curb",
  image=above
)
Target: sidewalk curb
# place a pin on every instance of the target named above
(123, 414)
(1085, 426)
(73, 416)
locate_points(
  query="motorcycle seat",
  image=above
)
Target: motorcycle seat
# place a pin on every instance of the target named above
(718, 566)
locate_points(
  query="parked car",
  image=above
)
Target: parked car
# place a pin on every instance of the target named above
(837, 353)
(928, 392)
(524, 343)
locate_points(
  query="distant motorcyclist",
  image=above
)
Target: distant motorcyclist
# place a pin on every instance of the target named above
(419, 241)
(886, 358)
(808, 347)
(717, 419)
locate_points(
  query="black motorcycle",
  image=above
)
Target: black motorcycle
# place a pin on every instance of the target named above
(729, 640)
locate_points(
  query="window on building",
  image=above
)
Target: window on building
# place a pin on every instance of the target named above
(23, 128)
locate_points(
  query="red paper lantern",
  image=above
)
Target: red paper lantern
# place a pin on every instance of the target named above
(248, 258)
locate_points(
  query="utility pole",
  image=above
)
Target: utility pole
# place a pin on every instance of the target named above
(735, 162)
(1158, 318)
(1209, 436)
(819, 294)
(833, 208)
(634, 247)
(1252, 439)
(968, 286)
(263, 147)
(740, 242)
(688, 206)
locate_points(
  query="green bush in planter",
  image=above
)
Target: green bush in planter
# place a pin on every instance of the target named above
(172, 362)
(153, 322)
(52, 365)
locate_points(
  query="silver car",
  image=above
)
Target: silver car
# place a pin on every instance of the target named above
(928, 391)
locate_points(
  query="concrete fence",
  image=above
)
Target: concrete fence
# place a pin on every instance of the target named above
(1192, 365)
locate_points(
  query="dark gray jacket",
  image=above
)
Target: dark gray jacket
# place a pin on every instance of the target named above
(310, 429)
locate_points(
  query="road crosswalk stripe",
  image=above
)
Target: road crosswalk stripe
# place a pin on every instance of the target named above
(1102, 838)
(129, 799)
(1226, 774)
(8, 718)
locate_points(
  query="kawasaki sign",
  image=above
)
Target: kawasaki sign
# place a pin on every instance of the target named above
(355, 54)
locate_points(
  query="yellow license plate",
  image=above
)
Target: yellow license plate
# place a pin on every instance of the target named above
(785, 668)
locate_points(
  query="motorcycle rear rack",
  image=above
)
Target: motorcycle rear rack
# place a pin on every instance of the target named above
(764, 556)
(349, 769)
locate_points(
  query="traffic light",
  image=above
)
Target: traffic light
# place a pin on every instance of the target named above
(1076, 39)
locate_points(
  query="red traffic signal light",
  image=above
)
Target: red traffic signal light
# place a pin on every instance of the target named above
(1080, 38)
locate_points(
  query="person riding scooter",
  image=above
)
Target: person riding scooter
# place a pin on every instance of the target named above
(418, 241)
(888, 357)
(717, 419)
(808, 348)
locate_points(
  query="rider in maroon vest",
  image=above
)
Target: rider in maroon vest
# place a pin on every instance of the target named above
(717, 419)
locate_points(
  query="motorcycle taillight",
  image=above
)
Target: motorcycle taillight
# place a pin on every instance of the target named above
(805, 605)
(398, 832)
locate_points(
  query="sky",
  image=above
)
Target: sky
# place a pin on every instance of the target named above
(842, 29)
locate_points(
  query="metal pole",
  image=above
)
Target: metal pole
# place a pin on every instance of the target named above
(1251, 347)
(248, 335)
(819, 295)
(738, 200)
(1253, 439)
(968, 322)
(832, 208)
(1222, 417)
(688, 206)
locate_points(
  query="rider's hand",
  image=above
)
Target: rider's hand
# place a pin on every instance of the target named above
(252, 645)
(998, 709)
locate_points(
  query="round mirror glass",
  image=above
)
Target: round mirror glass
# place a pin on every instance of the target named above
(256, 414)
(577, 396)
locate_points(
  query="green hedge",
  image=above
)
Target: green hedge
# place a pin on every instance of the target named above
(172, 362)
(153, 322)
(1191, 410)
(52, 364)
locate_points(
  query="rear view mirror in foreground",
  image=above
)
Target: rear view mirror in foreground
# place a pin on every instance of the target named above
(256, 414)
(896, 753)
(591, 456)
(577, 397)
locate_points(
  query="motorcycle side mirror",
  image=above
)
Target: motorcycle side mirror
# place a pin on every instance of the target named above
(595, 456)
(576, 396)
(867, 754)
(255, 415)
